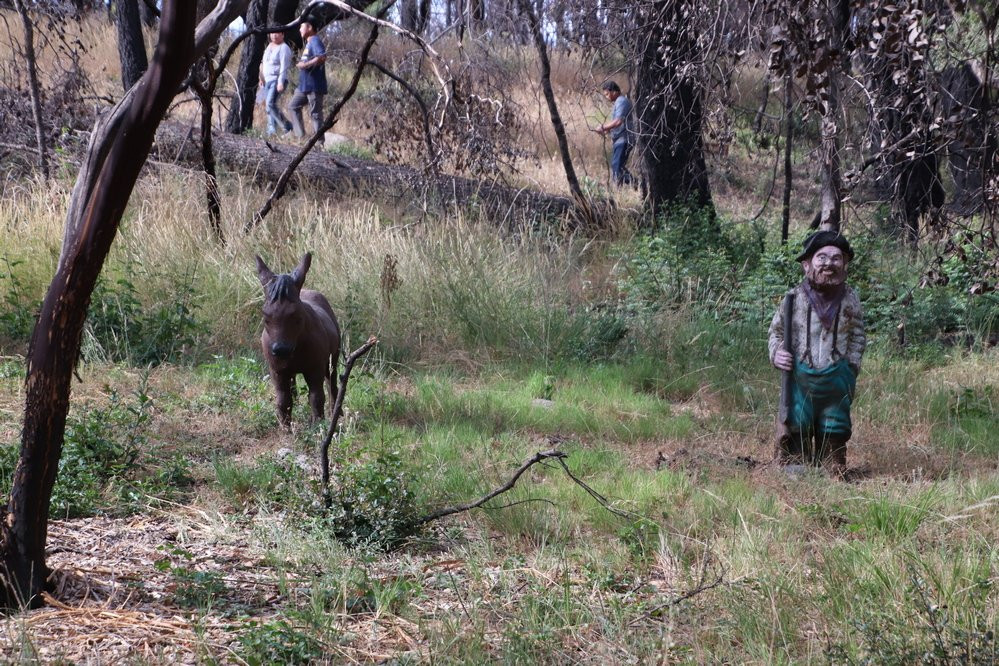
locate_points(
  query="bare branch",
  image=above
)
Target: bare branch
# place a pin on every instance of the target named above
(540, 456)
(337, 413)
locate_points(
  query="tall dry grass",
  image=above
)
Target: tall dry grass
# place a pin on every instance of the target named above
(458, 283)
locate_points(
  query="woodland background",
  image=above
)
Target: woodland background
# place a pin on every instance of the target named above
(462, 212)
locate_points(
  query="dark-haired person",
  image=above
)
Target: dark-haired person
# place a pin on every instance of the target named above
(828, 341)
(620, 129)
(312, 86)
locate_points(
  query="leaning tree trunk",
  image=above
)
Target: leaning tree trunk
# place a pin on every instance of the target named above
(668, 106)
(117, 151)
(563, 143)
(830, 199)
(33, 86)
(131, 50)
(240, 116)
(409, 14)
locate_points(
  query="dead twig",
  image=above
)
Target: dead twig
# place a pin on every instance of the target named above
(540, 456)
(603, 501)
(702, 586)
(337, 413)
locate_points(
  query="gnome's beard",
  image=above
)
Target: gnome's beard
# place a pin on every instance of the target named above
(827, 278)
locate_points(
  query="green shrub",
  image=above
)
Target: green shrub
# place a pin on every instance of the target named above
(17, 314)
(107, 463)
(120, 328)
(277, 642)
(372, 502)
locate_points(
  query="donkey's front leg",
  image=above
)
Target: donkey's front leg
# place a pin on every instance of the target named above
(317, 395)
(284, 392)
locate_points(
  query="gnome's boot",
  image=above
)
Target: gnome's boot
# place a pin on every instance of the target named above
(833, 452)
(789, 449)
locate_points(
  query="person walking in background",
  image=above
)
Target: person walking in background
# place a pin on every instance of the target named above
(312, 85)
(620, 127)
(274, 79)
(823, 353)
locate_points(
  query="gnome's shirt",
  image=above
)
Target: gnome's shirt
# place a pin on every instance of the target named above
(813, 342)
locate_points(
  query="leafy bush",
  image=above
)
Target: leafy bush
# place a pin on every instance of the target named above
(372, 504)
(100, 468)
(277, 642)
(120, 328)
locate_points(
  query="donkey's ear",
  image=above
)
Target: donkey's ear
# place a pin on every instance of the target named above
(302, 269)
(265, 274)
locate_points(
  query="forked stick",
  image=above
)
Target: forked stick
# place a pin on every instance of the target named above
(341, 393)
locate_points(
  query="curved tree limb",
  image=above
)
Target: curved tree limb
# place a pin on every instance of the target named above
(434, 158)
(437, 63)
(540, 456)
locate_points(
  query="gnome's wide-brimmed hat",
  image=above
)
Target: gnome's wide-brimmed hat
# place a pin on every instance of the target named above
(821, 239)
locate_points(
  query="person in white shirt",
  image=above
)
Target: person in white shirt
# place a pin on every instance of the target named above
(274, 79)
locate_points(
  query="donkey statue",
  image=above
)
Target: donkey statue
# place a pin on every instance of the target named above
(301, 336)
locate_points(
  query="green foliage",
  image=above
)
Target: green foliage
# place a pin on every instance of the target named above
(107, 463)
(191, 588)
(932, 629)
(17, 314)
(277, 642)
(120, 328)
(541, 385)
(269, 482)
(372, 501)
(890, 518)
(350, 149)
(686, 262)
(371, 505)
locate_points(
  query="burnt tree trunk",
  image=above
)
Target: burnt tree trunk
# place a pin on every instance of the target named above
(240, 116)
(972, 147)
(409, 14)
(546, 84)
(116, 153)
(837, 16)
(131, 49)
(148, 13)
(669, 108)
(33, 87)
(785, 215)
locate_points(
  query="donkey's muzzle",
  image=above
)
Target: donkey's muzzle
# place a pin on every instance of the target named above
(282, 349)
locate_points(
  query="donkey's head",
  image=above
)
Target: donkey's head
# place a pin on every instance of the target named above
(284, 315)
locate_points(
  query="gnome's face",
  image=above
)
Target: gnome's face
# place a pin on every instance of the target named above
(826, 268)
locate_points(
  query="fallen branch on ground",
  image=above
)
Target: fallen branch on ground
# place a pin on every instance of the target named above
(451, 510)
(702, 586)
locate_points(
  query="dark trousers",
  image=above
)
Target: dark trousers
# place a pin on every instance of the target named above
(619, 163)
(298, 101)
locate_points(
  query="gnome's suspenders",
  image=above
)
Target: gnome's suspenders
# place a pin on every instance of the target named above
(808, 331)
